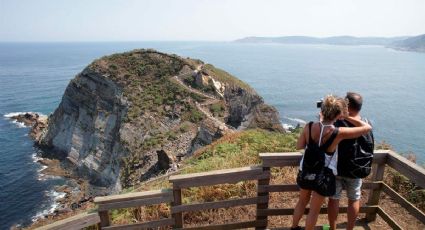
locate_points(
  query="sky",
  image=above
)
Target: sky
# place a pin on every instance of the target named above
(205, 20)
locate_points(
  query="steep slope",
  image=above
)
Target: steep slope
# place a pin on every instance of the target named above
(128, 116)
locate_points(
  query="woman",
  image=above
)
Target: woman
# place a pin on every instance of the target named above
(328, 136)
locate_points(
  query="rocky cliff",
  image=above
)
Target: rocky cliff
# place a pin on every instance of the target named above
(127, 117)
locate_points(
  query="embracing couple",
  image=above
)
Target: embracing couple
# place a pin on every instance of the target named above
(338, 153)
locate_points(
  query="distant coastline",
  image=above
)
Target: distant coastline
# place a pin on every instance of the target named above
(402, 43)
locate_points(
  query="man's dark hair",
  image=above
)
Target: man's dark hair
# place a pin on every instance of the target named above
(355, 101)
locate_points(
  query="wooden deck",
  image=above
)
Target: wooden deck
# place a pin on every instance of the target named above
(262, 175)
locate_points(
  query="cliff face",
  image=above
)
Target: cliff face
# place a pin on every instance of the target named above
(128, 116)
(84, 129)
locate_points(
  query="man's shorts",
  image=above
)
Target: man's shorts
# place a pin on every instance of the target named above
(351, 185)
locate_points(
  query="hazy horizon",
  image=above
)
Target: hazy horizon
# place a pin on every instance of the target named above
(205, 20)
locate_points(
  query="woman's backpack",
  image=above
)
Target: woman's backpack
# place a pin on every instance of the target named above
(315, 175)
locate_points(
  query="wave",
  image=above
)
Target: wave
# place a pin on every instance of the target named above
(287, 126)
(17, 123)
(12, 114)
(54, 196)
(297, 120)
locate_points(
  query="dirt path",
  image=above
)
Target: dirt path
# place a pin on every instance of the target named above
(199, 106)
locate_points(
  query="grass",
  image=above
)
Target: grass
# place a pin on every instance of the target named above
(231, 151)
(225, 77)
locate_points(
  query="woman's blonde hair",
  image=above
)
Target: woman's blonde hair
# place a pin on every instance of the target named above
(332, 107)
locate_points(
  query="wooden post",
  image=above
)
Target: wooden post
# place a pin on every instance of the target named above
(261, 206)
(178, 217)
(104, 219)
(377, 175)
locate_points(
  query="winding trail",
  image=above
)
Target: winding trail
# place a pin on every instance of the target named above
(201, 106)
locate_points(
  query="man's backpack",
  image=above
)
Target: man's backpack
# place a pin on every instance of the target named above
(355, 155)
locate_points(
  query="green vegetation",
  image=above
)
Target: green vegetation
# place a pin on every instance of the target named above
(231, 151)
(239, 150)
(217, 109)
(146, 79)
(225, 77)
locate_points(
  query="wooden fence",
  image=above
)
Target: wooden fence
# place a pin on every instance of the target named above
(261, 174)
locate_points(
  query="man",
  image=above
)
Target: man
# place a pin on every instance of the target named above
(350, 169)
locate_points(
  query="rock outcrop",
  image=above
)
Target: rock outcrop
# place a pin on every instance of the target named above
(37, 122)
(127, 116)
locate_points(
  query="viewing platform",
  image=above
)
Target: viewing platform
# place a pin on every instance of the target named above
(264, 210)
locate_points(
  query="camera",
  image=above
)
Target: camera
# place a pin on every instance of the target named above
(319, 103)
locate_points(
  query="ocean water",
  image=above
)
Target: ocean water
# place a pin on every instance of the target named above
(292, 78)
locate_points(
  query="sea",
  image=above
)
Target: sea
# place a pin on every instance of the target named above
(33, 77)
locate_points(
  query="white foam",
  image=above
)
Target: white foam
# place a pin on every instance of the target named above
(9, 115)
(287, 126)
(43, 167)
(297, 120)
(19, 124)
(35, 158)
(55, 196)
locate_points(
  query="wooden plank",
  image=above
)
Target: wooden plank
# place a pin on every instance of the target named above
(217, 177)
(178, 217)
(290, 211)
(75, 222)
(218, 204)
(239, 225)
(278, 188)
(380, 156)
(146, 225)
(104, 218)
(371, 185)
(374, 194)
(294, 158)
(264, 205)
(294, 187)
(414, 172)
(281, 159)
(136, 203)
(131, 196)
(388, 219)
(404, 203)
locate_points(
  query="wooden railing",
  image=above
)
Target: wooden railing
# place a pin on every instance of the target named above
(262, 175)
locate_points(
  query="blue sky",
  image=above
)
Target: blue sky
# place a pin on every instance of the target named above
(205, 20)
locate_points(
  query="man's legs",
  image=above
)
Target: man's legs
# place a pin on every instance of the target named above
(333, 204)
(353, 187)
(352, 212)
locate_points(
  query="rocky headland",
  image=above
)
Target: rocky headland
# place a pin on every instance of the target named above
(129, 117)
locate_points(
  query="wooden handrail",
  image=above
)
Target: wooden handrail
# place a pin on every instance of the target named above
(259, 173)
(217, 177)
(414, 172)
(131, 196)
(78, 221)
(293, 158)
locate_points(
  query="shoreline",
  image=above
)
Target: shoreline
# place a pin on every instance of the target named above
(69, 195)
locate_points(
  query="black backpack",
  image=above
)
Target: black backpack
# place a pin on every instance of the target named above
(355, 155)
(315, 175)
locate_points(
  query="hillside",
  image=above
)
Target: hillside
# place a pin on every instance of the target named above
(131, 116)
(337, 40)
(416, 43)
